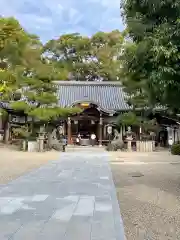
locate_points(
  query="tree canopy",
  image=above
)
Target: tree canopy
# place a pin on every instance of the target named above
(28, 68)
(26, 77)
(151, 58)
(83, 58)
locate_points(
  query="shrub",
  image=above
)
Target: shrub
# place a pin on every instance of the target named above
(175, 149)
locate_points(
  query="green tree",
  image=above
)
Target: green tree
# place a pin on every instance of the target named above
(12, 39)
(107, 49)
(12, 36)
(86, 59)
(154, 63)
(26, 78)
(139, 93)
(36, 83)
(128, 119)
(69, 54)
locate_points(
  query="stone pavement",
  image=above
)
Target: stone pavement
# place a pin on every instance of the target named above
(73, 198)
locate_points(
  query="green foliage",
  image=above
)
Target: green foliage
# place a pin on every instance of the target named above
(11, 34)
(22, 132)
(140, 93)
(28, 69)
(132, 119)
(150, 125)
(3, 114)
(20, 106)
(47, 114)
(7, 83)
(128, 119)
(24, 72)
(175, 149)
(15, 55)
(82, 58)
(151, 59)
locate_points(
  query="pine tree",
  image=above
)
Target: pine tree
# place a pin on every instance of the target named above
(26, 78)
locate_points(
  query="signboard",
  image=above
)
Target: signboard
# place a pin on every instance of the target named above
(84, 104)
(109, 130)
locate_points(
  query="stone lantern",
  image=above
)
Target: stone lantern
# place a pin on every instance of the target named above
(129, 138)
(41, 138)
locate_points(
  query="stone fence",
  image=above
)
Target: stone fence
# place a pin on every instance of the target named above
(142, 146)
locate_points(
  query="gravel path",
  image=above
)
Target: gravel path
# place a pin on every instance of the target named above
(148, 189)
(13, 163)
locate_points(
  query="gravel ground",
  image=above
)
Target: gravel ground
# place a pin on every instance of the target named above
(148, 189)
(14, 163)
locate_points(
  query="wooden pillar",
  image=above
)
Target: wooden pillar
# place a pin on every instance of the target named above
(64, 128)
(105, 131)
(100, 130)
(121, 133)
(69, 140)
(76, 126)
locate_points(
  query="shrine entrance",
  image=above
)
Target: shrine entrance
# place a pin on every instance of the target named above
(88, 122)
(86, 127)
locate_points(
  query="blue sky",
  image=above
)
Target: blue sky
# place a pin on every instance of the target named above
(52, 18)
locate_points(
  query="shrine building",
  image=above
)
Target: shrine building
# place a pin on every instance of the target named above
(101, 103)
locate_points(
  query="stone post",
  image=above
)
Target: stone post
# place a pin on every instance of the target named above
(129, 139)
(24, 144)
(129, 146)
(138, 146)
(121, 133)
(41, 142)
(41, 139)
(100, 130)
(69, 141)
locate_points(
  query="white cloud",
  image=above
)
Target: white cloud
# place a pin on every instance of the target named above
(50, 18)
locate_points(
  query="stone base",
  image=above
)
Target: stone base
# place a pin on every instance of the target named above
(1, 137)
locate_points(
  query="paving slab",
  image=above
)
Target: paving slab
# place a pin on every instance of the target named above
(68, 199)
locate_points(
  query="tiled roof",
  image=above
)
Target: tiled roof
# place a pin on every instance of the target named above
(109, 96)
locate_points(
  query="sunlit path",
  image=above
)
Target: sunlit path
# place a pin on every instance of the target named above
(73, 198)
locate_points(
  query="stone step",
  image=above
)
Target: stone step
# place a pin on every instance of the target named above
(84, 148)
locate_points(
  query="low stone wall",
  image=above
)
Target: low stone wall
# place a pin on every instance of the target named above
(145, 146)
(32, 146)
